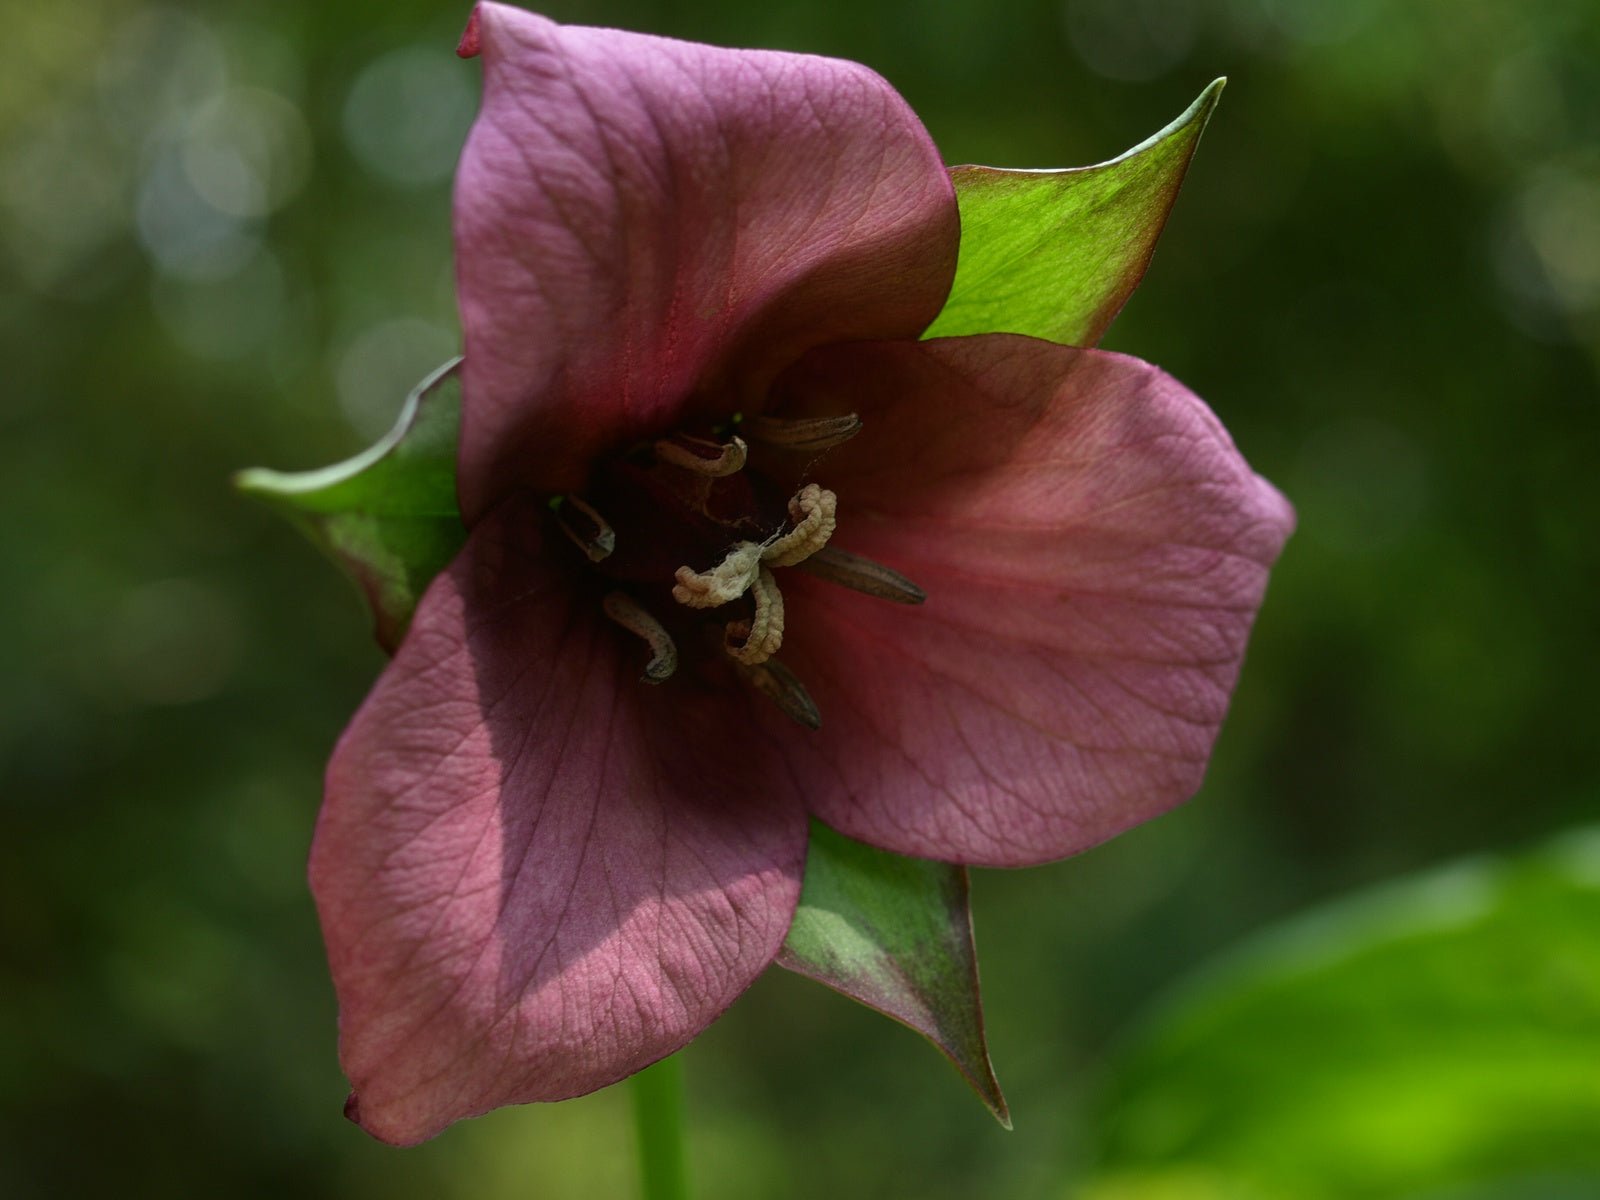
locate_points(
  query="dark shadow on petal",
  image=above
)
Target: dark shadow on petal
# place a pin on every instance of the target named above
(538, 875)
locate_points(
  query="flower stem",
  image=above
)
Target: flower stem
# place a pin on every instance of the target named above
(658, 1130)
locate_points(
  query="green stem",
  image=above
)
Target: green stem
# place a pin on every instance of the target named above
(658, 1130)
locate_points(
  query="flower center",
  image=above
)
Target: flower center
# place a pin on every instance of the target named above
(691, 529)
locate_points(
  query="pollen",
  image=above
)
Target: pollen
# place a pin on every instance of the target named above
(813, 517)
(814, 513)
(757, 639)
(709, 495)
(725, 582)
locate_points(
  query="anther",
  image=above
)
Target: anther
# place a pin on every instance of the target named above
(813, 512)
(757, 639)
(803, 435)
(587, 529)
(864, 575)
(703, 456)
(632, 616)
(778, 684)
(726, 581)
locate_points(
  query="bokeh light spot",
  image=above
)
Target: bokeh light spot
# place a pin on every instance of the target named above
(162, 63)
(382, 364)
(1131, 40)
(183, 233)
(226, 318)
(175, 641)
(62, 195)
(407, 115)
(246, 152)
(1560, 211)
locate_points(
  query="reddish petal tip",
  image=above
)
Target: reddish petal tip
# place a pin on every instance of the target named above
(352, 1108)
(470, 45)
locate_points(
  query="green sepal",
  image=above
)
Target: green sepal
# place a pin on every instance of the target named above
(388, 516)
(1056, 254)
(895, 934)
(1426, 1035)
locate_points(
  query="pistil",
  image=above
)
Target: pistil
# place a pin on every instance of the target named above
(685, 496)
(747, 568)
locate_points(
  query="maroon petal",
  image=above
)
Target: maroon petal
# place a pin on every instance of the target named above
(1094, 550)
(535, 874)
(644, 226)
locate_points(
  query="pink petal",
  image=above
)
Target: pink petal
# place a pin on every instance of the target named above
(1094, 550)
(645, 227)
(535, 874)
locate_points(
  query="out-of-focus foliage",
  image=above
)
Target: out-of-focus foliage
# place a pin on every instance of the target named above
(224, 239)
(1415, 1039)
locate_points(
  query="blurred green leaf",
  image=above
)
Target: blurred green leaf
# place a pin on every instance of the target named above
(895, 934)
(388, 516)
(1441, 1033)
(1056, 254)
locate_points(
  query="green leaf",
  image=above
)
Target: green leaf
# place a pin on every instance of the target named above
(894, 933)
(1439, 1035)
(388, 516)
(1056, 254)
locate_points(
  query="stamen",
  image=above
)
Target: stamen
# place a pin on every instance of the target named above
(812, 510)
(701, 455)
(587, 529)
(632, 616)
(864, 575)
(726, 581)
(754, 641)
(778, 684)
(804, 435)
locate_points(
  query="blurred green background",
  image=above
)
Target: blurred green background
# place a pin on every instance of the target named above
(224, 240)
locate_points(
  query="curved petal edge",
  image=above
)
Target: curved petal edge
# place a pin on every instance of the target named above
(535, 874)
(647, 230)
(1094, 550)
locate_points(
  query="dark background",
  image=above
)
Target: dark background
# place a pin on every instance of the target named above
(224, 241)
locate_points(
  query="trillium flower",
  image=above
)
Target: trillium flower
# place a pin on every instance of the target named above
(742, 551)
